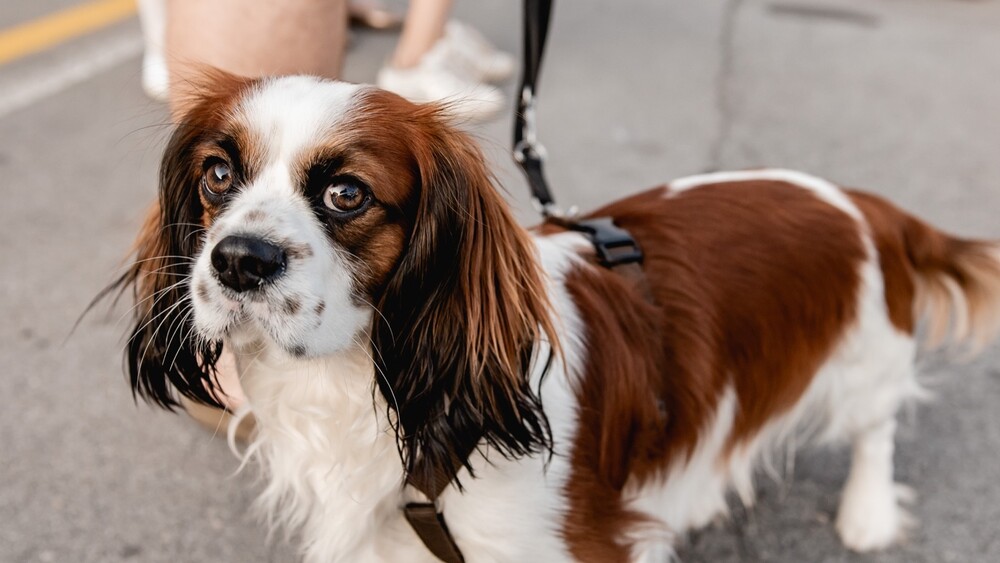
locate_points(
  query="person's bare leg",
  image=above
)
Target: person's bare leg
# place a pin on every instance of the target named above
(423, 27)
(253, 38)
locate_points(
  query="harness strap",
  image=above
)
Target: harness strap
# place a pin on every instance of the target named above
(614, 248)
(430, 526)
(425, 518)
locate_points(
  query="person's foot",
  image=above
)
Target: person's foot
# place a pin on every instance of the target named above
(155, 80)
(372, 14)
(482, 61)
(436, 79)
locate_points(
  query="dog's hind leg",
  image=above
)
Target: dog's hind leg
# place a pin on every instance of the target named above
(870, 517)
(878, 377)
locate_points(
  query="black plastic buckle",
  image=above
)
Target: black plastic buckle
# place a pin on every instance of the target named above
(614, 245)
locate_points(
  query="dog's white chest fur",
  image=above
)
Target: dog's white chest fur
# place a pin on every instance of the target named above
(328, 454)
(333, 472)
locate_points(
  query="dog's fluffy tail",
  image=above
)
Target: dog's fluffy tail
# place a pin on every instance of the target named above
(950, 283)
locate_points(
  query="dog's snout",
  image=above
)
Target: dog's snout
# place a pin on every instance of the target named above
(244, 263)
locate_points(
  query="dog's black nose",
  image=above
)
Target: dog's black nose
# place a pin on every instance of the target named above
(244, 263)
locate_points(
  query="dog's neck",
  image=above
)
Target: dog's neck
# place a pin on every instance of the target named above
(326, 448)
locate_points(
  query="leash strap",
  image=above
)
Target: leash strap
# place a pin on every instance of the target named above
(528, 152)
(615, 246)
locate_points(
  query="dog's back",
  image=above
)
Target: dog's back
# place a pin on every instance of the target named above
(781, 306)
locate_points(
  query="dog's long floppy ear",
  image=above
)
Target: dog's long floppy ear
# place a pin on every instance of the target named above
(461, 316)
(163, 354)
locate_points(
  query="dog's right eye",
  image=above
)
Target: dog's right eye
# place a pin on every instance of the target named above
(218, 178)
(345, 197)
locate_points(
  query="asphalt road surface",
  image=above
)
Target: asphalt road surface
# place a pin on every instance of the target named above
(901, 97)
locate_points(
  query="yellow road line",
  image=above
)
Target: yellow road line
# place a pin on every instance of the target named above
(53, 29)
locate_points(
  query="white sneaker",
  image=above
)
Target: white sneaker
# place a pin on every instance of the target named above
(155, 79)
(435, 79)
(153, 19)
(482, 61)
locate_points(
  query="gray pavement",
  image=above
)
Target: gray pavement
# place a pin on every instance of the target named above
(901, 97)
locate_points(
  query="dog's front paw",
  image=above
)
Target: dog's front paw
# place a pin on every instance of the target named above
(870, 520)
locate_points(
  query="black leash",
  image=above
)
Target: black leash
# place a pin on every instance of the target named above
(615, 248)
(528, 152)
(614, 245)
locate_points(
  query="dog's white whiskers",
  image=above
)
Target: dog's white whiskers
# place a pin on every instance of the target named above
(156, 296)
(187, 316)
(184, 300)
(381, 374)
(180, 260)
(379, 313)
(158, 315)
(183, 225)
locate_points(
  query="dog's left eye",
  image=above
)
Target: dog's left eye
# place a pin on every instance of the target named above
(345, 197)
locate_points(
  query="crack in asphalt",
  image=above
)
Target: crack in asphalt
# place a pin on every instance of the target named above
(724, 106)
(824, 14)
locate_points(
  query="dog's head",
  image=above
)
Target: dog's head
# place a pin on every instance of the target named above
(309, 217)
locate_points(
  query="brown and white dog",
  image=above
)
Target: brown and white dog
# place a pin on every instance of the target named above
(386, 312)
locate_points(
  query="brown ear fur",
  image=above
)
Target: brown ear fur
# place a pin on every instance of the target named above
(463, 314)
(163, 353)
